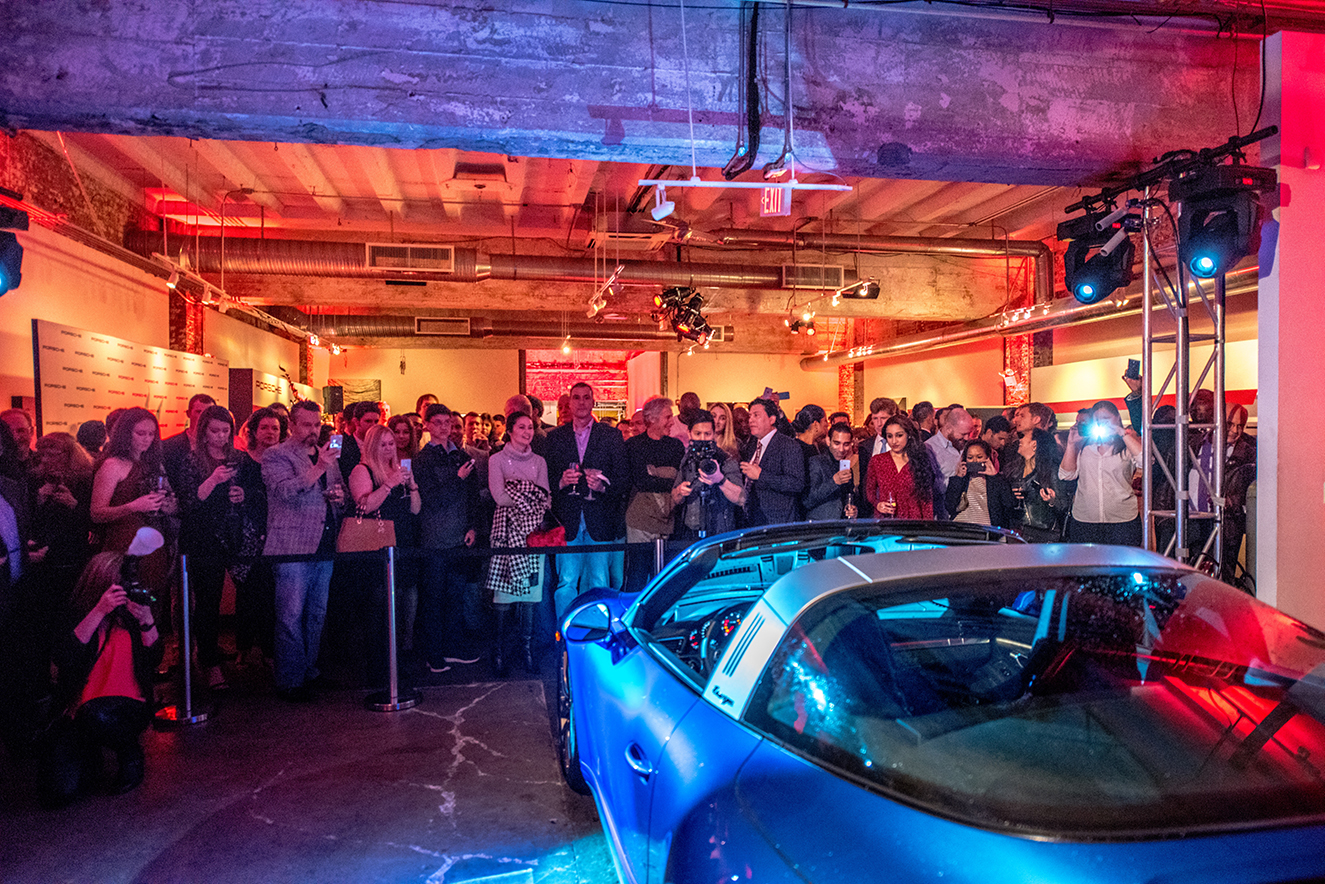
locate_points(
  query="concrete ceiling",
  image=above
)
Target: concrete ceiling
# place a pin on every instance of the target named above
(524, 130)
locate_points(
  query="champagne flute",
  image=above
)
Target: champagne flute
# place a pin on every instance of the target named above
(574, 489)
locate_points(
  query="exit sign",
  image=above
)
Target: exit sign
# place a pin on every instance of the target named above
(775, 201)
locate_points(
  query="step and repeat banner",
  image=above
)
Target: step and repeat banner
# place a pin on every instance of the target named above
(82, 375)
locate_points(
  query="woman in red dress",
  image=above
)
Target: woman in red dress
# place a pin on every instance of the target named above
(899, 483)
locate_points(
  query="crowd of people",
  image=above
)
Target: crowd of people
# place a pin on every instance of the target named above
(265, 500)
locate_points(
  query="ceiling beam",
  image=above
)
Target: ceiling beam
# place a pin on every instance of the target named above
(878, 92)
(305, 168)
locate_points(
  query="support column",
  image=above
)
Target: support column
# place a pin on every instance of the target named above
(1290, 506)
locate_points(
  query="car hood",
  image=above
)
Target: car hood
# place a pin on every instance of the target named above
(833, 831)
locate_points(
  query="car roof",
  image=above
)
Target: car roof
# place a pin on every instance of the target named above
(790, 595)
(763, 627)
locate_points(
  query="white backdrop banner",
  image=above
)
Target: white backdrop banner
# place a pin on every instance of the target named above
(82, 375)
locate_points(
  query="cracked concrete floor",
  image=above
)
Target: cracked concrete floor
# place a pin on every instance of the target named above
(463, 787)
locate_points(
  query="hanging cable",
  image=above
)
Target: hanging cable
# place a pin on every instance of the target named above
(747, 143)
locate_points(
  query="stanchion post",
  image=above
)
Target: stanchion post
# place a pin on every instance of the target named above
(659, 555)
(176, 715)
(392, 700)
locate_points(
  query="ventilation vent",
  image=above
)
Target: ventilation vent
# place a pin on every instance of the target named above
(431, 325)
(734, 658)
(723, 333)
(440, 259)
(813, 276)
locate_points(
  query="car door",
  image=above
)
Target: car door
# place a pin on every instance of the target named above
(623, 731)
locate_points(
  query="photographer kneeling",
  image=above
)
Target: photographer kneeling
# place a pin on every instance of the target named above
(709, 485)
(106, 664)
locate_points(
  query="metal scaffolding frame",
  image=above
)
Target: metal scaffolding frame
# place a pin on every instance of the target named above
(1179, 307)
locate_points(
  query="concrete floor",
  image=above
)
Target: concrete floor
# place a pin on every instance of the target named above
(463, 787)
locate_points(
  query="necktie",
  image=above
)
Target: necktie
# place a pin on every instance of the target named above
(759, 452)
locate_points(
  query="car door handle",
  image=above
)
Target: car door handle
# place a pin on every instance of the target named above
(638, 762)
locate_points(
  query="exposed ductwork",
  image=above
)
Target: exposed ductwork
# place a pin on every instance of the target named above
(1027, 321)
(349, 260)
(391, 326)
(919, 245)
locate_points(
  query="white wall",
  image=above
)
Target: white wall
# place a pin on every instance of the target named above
(470, 380)
(71, 284)
(247, 347)
(740, 377)
(970, 374)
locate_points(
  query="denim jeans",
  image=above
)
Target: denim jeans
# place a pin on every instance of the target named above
(580, 573)
(301, 609)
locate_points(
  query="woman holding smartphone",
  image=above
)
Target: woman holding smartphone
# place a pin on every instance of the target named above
(212, 529)
(1103, 460)
(383, 489)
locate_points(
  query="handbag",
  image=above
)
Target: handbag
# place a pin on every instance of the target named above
(358, 534)
(548, 534)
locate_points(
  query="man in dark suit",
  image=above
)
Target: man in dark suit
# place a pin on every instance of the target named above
(881, 409)
(775, 473)
(586, 464)
(831, 487)
(448, 487)
(175, 450)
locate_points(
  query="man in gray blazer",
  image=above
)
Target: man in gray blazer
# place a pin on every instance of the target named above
(304, 496)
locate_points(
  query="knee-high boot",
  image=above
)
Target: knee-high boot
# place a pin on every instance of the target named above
(501, 662)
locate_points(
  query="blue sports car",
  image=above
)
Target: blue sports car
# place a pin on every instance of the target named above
(846, 702)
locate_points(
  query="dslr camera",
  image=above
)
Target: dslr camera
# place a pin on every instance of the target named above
(704, 453)
(145, 542)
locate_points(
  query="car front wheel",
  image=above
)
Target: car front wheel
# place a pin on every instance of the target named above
(568, 753)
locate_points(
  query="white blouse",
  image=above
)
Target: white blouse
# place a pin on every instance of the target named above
(1104, 492)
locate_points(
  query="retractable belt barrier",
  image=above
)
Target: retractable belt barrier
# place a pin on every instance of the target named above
(393, 699)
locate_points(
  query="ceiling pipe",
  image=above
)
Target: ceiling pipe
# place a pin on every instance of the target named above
(341, 326)
(1040, 317)
(348, 260)
(1040, 253)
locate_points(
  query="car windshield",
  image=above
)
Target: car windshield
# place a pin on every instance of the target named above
(1094, 704)
(699, 601)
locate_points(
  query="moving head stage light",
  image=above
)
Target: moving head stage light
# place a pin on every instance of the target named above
(681, 307)
(1220, 222)
(1100, 255)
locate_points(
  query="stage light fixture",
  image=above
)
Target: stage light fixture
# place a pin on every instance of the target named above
(662, 206)
(1097, 262)
(172, 282)
(1220, 220)
(865, 290)
(11, 262)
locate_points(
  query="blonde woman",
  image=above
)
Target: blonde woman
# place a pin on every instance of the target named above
(724, 429)
(381, 489)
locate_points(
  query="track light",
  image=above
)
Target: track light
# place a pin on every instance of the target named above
(173, 282)
(865, 290)
(565, 347)
(662, 206)
(1220, 222)
(313, 340)
(1098, 261)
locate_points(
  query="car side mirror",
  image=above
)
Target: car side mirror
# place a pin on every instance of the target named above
(592, 623)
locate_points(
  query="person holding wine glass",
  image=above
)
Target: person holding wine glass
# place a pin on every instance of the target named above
(130, 491)
(899, 482)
